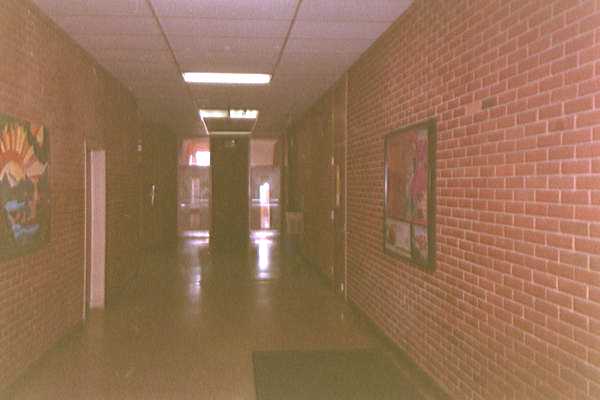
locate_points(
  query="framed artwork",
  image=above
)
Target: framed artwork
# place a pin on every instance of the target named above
(24, 187)
(409, 208)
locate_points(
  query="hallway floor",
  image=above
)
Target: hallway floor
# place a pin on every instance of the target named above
(187, 326)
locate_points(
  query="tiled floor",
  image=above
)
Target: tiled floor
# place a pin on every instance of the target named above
(186, 328)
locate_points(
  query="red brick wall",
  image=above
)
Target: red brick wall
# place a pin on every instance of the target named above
(46, 78)
(513, 309)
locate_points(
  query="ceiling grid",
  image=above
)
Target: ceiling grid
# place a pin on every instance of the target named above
(254, 36)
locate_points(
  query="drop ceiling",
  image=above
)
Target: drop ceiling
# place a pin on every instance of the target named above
(147, 43)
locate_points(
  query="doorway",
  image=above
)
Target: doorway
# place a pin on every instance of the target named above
(340, 124)
(230, 214)
(95, 233)
(265, 187)
(194, 189)
(158, 185)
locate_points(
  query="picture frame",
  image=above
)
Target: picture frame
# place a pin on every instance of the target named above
(409, 198)
(24, 187)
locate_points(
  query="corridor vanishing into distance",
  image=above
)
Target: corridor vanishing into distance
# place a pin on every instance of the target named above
(187, 325)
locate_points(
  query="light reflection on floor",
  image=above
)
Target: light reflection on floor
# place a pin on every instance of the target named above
(262, 261)
(263, 234)
(195, 286)
(187, 326)
(263, 243)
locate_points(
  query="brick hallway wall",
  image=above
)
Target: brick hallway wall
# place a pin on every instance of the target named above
(46, 78)
(513, 309)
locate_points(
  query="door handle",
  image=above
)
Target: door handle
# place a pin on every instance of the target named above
(152, 195)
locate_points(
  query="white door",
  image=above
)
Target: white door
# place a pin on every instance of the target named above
(97, 229)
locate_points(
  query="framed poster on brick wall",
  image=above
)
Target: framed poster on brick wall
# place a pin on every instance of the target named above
(409, 203)
(24, 187)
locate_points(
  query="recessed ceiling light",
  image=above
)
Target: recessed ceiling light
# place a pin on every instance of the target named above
(233, 114)
(214, 114)
(243, 114)
(226, 78)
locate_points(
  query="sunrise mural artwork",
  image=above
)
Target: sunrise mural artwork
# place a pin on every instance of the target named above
(24, 187)
(409, 189)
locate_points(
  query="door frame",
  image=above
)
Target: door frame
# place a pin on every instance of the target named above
(94, 285)
(340, 224)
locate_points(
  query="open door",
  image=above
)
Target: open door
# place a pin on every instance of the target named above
(265, 187)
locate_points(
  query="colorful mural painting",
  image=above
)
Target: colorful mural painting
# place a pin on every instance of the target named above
(409, 189)
(24, 187)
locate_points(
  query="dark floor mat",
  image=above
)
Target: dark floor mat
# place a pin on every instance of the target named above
(329, 375)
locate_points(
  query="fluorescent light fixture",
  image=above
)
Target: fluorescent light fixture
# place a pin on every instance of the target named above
(243, 114)
(226, 78)
(233, 114)
(214, 114)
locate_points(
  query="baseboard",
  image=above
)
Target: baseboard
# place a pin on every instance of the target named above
(326, 279)
(8, 392)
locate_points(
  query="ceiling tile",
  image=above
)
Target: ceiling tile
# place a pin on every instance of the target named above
(102, 25)
(161, 93)
(316, 63)
(230, 97)
(227, 9)
(273, 101)
(225, 35)
(321, 45)
(142, 67)
(146, 78)
(94, 7)
(226, 54)
(338, 30)
(152, 81)
(133, 42)
(283, 81)
(133, 55)
(253, 62)
(211, 28)
(143, 73)
(239, 44)
(352, 10)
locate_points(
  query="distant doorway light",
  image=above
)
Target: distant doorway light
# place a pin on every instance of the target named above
(226, 78)
(200, 159)
(265, 199)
